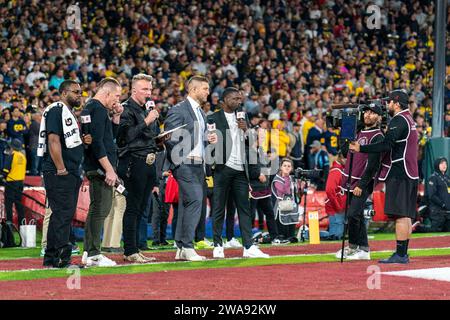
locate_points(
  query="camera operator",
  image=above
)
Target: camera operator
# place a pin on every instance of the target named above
(137, 129)
(362, 182)
(403, 176)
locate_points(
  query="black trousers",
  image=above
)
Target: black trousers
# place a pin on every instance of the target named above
(229, 218)
(159, 217)
(139, 182)
(264, 206)
(230, 182)
(357, 232)
(62, 195)
(440, 220)
(13, 195)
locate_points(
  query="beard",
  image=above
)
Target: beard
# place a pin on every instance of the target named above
(391, 112)
(74, 103)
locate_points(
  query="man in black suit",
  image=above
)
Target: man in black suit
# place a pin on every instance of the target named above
(231, 173)
(185, 151)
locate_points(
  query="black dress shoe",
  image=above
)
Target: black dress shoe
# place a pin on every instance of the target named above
(156, 244)
(165, 243)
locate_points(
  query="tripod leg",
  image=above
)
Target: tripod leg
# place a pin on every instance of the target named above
(347, 202)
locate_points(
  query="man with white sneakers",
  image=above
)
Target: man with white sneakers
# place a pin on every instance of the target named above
(363, 179)
(231, 172)
(103, 114)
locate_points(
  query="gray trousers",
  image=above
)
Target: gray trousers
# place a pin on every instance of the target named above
(191, 179)
(101, 202)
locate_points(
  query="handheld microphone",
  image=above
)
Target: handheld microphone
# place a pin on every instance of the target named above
(240, 115)
(149, 104)
(211, 126)
(85, 124)
(120, 188)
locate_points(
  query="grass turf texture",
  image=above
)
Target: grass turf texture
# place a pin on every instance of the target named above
(21, 253)
(227, 263)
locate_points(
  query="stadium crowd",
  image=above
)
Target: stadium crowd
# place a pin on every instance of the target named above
(290, 59)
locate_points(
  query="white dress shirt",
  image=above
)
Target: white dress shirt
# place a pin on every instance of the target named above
(199, 147)
(235, 161)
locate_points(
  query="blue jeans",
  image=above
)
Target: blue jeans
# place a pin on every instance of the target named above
(336, 227)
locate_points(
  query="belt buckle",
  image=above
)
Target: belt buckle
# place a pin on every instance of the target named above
(150, 159)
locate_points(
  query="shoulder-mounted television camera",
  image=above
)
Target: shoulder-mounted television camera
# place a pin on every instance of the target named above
(349, 118)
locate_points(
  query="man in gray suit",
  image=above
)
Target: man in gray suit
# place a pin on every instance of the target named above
(186, 151)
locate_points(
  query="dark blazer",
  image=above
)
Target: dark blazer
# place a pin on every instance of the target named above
(178, 115)
(225, 140)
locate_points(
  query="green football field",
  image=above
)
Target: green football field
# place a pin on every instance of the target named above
(18, 255)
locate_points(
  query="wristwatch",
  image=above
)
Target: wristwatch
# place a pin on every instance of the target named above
(61, 171)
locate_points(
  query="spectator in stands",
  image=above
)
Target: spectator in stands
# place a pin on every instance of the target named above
(17, 128)
(36, 118)
(321, 162)
(279, 138)
(314, 134)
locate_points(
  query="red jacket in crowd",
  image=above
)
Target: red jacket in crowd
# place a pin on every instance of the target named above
(336, 200)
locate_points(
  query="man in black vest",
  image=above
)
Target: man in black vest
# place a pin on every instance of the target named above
(403, 176)
(362, 183)
(231, 172)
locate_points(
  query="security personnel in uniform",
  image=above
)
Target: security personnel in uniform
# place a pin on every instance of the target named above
(401, 140)
(14, 170)
(135, 140)
(438, 193)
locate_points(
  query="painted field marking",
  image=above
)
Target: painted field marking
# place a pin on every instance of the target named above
(440, 274)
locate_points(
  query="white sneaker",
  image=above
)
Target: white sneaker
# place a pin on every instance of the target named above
(84, 257)
(218, 252)
(347, 251)
(233, 243)
(100, 261)
(190, 255)
(359, 255)
(254, 252)
(177, 255)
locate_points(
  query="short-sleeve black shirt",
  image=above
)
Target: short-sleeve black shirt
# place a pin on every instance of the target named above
(72, 157)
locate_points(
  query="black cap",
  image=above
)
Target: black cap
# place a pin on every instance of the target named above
(16, 144)
(375, 107)
(400, 96)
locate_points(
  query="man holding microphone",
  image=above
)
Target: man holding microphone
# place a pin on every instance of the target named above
(403, 174)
